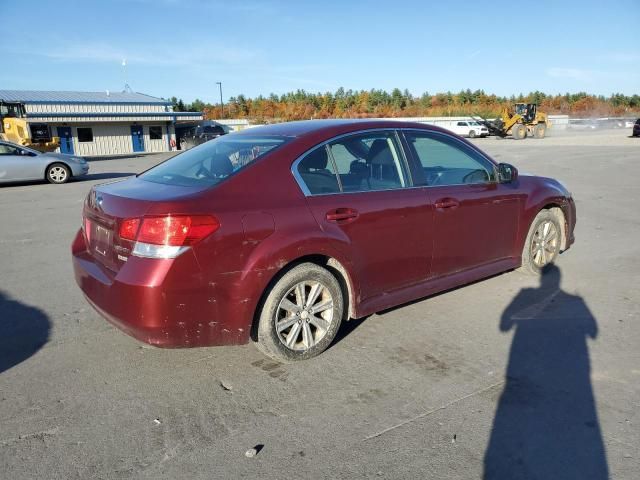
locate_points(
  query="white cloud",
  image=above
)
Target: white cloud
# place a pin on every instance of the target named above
(106, 53)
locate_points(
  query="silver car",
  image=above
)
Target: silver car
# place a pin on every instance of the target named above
(18, 163)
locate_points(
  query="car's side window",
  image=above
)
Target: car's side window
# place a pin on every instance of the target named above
(317, 172)
(368, 161)
(445, 161)
(8, 150)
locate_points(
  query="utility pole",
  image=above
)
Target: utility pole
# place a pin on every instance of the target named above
(221, 102)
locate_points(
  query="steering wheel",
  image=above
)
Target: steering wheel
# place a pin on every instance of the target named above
(202, 172)
(475, 176)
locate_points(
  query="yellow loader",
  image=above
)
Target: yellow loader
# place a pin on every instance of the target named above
(15, 128)
(522, 121)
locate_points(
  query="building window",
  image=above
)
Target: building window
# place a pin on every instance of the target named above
(155, 133)
(85, 134)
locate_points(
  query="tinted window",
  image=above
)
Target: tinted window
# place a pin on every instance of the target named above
(317, 172)
(85, 134)
(446, 161)
(212, 162)
(155, 133)
(368, 161)
(8, 150)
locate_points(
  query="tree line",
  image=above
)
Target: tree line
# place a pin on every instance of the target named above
(301, 105)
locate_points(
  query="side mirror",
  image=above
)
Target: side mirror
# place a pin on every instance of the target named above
(507, 173)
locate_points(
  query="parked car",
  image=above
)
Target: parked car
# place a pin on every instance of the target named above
(279, 233)
(192, 135)
(582, 124)
(468, 128)
(636, 129)
(18, 164)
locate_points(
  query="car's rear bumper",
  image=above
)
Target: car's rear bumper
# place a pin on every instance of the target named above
(166, 303)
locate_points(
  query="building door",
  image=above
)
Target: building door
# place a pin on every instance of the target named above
(66, 140)
(137, 138)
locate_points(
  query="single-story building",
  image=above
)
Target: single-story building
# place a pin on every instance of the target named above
(103, 123)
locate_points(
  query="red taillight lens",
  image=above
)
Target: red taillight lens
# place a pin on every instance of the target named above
(87, 229)
(176, 231)
(129, 228)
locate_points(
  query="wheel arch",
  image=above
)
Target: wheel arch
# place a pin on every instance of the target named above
(556, 209)
(335, 267)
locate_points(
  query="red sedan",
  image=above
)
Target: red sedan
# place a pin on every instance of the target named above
(277, 234)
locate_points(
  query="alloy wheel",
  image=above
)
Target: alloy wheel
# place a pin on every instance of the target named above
(304, 315)
(544, 244)
(58, 174)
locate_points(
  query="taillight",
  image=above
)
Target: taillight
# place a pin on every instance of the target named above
(87, 229)
(129, 228)
(168, 236)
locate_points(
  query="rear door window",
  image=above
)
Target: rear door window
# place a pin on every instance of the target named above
(318, 172)
(369, 161)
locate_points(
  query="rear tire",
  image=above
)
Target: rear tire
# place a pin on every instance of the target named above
(301, 314)
(58, 173)
(540, 130)
(543, 242)
(519, 131)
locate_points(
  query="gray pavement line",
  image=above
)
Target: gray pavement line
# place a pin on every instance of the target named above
(430, 412)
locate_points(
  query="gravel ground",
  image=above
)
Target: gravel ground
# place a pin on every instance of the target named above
(542, 381)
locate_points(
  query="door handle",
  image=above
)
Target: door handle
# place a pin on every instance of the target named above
(341, 215)
(447, 203)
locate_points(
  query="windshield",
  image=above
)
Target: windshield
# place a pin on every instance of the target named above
(213, 161)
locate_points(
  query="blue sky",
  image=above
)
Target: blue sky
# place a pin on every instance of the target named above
(182, 48)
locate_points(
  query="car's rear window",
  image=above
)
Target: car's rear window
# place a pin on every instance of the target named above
(213, 161)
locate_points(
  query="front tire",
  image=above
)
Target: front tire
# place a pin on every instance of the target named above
(542, 245)
(540, 130)
(519, 131)
(301, 314)
(58, 173)
(472, 134)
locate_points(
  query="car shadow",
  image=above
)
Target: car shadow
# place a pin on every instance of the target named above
(546, 424)
(102, 176)
(23, 331)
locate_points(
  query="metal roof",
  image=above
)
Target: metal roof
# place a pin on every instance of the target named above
(43, 96)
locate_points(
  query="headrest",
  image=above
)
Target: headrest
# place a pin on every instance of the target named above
(316, 160)
(380, 153)
(221, 166)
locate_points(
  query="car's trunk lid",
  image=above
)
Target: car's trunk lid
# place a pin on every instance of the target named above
(108, 205)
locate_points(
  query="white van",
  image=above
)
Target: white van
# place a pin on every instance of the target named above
(468, 128)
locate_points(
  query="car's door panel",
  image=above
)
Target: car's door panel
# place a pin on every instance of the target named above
(391, 235)
(18, 167)
(475, 218)
(387, 224)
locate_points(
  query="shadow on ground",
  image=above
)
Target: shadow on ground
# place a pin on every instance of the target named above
(546, 425)
(23, 331)
(103, 176)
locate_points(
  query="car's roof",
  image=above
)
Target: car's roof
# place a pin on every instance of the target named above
(331, 126)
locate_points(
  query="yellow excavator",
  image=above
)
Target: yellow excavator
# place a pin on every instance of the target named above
(522, 121)
(15, 128)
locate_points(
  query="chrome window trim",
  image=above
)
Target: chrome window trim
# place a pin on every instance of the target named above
(403, 160)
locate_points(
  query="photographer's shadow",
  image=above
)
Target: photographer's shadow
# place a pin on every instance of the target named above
(23, 331)
(546, 425)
